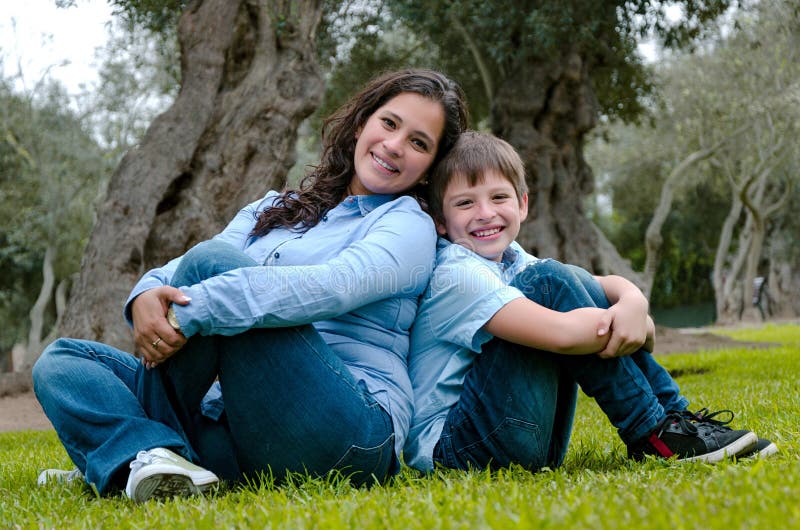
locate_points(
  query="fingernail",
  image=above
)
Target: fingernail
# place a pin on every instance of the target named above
(601, 331)
(186, 299)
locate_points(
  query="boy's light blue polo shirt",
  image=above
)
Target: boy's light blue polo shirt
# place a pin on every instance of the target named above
(465, 291)
(356, 276)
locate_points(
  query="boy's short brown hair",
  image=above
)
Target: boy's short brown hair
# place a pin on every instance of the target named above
(473, 154)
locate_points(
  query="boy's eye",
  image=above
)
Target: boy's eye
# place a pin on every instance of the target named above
(501, 197)
(465, 202)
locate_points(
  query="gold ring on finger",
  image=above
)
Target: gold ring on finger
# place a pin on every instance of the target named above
(156, 342)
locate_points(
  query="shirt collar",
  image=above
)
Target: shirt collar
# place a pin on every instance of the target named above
(511, 255)
(367, 203)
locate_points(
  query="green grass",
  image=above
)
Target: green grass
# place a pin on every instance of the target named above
(596, 488)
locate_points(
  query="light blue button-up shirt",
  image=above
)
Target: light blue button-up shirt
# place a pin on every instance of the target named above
(465, 291)
(356, 276)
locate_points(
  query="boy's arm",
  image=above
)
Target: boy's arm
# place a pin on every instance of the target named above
(627, 319)
(524, 322)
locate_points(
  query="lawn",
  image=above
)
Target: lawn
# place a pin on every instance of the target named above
(596, 488)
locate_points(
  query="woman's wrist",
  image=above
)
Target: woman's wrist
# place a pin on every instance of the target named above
(172, 319)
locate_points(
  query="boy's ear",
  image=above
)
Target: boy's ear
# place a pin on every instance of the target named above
(523, 207)
(440, 228)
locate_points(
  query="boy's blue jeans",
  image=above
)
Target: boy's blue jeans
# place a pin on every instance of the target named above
(518, 403)
(291, 405)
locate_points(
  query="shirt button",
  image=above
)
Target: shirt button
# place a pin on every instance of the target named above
(276, 255)
(324, 218)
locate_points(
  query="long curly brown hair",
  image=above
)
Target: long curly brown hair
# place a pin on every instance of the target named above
(324, 187)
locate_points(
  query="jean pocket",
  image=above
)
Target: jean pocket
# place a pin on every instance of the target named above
(513, 441)
(367, 465)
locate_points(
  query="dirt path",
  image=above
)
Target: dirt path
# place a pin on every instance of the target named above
(21, 412)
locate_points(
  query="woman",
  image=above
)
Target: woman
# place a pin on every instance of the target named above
(300, 308)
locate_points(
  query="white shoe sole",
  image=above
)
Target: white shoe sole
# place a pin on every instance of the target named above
(157, 483)
(769, 450)
(745, 443)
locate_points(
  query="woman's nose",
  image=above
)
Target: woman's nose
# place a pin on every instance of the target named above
(393, 145)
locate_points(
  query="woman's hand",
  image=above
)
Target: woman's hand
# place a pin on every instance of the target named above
(628, 323)
(155, 338)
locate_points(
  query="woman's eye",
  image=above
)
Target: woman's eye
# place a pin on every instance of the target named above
(388, 122)
(420, 144)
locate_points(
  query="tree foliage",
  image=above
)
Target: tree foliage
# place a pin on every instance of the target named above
(738, 93)
(50, 168)
(509, 33)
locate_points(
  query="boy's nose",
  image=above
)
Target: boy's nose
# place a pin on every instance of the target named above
(485, 210)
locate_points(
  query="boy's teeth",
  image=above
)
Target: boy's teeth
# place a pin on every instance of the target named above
(484, 233)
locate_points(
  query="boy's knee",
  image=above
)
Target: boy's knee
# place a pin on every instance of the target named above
(541, 269)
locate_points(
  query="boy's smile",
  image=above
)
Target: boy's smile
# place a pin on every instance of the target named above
(484, 218)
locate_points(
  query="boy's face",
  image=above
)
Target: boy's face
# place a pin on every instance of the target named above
(484, 218)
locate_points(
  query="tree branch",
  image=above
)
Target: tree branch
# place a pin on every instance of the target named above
(476, 54)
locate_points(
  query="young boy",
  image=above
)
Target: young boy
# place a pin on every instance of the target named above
(487, 390)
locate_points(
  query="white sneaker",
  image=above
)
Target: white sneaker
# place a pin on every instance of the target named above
(59, 476)
(159, 473)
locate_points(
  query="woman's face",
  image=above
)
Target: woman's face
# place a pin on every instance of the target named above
(397, 145)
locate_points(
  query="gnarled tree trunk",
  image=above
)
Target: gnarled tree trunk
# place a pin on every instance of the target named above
(544, 109)
(250, 76)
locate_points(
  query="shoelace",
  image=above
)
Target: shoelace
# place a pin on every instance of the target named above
(678, 418)
(704, 416)
(75, 474)
(142, 459)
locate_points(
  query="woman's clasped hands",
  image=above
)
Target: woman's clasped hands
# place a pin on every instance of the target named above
(156, 340)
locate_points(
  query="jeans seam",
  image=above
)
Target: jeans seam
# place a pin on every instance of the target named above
(330, 366)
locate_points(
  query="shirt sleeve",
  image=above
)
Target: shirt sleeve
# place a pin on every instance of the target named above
(386, 263)
(236, 234)
(464, 295)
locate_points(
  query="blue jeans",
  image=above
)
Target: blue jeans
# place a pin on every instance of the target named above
(518, 403)
(291, 405)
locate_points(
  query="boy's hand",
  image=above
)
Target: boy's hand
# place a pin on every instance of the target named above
(627, 322)
(155, 338)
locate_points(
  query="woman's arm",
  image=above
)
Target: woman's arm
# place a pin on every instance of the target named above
(525, 322)
(147, 304)
(393, 259)
(236, 233)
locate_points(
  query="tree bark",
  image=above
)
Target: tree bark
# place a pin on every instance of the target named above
(249, 77)
(783, 284)
(545, 109)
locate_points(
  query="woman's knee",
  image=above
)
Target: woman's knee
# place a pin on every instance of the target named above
(208, 259)
(50, 363)
(49, 356)
(206, 251)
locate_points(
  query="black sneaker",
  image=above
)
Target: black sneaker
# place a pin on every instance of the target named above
(691, 440)
(762, 449)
